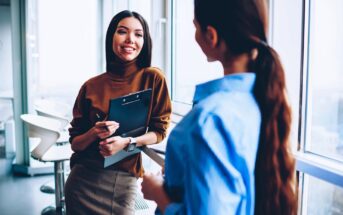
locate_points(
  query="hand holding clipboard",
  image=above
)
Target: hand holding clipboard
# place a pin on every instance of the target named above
(131, 112)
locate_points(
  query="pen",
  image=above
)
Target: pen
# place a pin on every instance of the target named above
(99, 119)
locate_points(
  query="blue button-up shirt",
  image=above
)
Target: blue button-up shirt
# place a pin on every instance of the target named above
(211, 153)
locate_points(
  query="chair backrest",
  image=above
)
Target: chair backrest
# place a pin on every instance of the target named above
(46, 129)
(54, 110)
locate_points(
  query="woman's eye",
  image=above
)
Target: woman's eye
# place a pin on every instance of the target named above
(121, 32)
(139, 35)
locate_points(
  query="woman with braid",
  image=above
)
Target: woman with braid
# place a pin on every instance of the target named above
(231, 153)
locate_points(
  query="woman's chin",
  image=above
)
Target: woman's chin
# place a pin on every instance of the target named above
(127, 58)
(124, 59)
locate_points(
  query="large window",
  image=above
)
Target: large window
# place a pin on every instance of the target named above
(321, 149)
(325, 54)
(190, 66)
(63, 50)
(63, 45)
(6, 82)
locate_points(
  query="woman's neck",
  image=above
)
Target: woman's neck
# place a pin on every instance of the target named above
(237, 64)
(121, 69)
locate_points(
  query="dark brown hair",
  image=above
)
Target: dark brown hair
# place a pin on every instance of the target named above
(242, 25)
(144, 58)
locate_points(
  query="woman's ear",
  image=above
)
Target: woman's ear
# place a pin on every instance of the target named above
(211, 36)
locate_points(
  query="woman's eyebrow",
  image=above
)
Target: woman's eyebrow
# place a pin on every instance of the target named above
(122, 26)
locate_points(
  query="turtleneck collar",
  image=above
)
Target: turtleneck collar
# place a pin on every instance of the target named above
(118, 69)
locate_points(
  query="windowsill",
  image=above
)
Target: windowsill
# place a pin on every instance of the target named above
(320, 167)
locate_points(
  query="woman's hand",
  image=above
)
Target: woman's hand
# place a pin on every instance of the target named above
(152, 189)
(152, 185)
(101, 130)
(105, 129)
(112, 145)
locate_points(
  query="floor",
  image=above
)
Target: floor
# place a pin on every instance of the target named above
(21, 195)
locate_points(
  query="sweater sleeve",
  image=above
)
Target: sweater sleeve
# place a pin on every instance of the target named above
(161, 109)
(80, 123)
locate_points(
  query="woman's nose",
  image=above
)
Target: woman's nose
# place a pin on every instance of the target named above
(129, 38)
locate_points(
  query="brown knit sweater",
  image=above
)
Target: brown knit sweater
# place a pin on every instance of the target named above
(93, 99)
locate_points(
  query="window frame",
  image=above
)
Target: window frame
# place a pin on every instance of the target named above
(307, 162)
(179, 108)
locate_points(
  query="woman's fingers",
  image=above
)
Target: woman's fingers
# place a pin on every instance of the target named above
(106, 128)
(113, 128)
(104, 134)
(104, 153)
(111, 145)
(105, 148)
(145, 186)
(109, 140)
(106, 124)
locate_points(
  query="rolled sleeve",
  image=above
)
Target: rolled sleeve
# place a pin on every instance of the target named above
(79, 124)
(161, 110)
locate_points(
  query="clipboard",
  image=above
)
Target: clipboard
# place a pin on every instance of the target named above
(131, 112)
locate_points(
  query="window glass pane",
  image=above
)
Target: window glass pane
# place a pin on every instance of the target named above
(63, 47)
(6, 84)
(6, 76)
(190, 66)
(322, 198)
(325, 71)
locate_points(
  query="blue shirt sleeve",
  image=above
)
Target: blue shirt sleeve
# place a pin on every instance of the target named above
(213, 183)
(174, 208)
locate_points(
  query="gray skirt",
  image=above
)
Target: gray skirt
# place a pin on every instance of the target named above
(99, 191)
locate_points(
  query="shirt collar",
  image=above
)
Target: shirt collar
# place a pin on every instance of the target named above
(234, 82)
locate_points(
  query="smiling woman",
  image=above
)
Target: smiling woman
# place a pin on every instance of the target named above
(90, 187)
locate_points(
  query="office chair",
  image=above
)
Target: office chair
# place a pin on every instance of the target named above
(47, 130)
(53, 107)
(58, 111)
